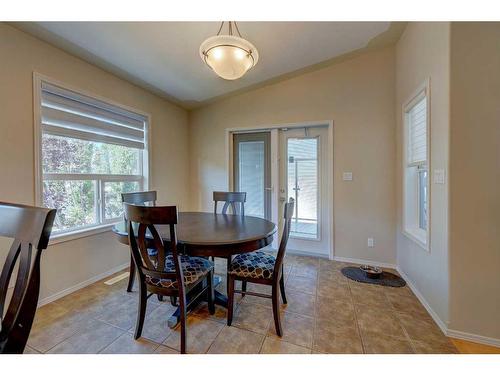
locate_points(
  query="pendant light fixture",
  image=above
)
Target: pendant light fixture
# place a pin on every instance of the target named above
(230, 56)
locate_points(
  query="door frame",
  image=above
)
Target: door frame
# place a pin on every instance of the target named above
(274, 128)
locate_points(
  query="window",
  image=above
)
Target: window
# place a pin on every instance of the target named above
(416, 166)
(90, 151)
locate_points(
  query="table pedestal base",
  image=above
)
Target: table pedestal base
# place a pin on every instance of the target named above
(220, 299)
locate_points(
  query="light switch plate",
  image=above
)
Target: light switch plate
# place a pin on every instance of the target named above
(439, 176)
(347, 176)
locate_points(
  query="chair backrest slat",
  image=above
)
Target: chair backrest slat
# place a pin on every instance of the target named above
(234, 199)
(140, 221)
(286, 234)
(30, 227)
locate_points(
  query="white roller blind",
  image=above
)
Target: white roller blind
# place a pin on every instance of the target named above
(67, 113)
(251, 178)
(417, 132)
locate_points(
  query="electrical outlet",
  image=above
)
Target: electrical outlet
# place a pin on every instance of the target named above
(371, 242)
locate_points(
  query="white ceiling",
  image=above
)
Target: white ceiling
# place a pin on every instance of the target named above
(164, 56)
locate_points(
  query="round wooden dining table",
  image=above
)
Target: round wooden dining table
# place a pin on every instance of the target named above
(208, 234)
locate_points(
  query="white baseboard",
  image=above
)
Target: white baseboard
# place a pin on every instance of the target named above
(442, 325)
(362, 261)
(474, 338)
(81, 285)
(306, 253)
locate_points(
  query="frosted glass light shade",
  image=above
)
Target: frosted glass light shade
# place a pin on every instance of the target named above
(229, 56)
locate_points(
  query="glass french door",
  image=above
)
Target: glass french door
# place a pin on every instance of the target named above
(303, 177)
(252, 171)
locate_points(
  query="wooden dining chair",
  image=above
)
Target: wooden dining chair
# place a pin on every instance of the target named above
(261, 268)
(164, 272)
(30, 229)
(234, 200)
(141, 198)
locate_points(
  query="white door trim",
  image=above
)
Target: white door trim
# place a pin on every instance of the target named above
(271, 127)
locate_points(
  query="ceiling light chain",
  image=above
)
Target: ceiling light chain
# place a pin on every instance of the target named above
(230, 28)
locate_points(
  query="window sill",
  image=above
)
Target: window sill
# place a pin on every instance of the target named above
(418, 236)
(81, 233)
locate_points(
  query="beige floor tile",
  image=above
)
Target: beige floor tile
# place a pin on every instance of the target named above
(332, 277)
(274, 346)
(252, 317)
(381, 344)
(300, 303)
(82, 298)
(297, 329)
(422, 330)
(202, 312)
(335, 309)
(370, 297)
(301, 284)
(304, 270)
(390, 320)
(355, 285)
(409, 305)
(92, 339)
(259, 288)
(123, 313)
(325, 264)
(378, 322)
(402, 291)
(156, 323)
(433, 347)
(233, 340)
(200, 333)
(48, 332)
(306, 261)
(331, 338)
(126, 344)
(30, 350)
(334, 289)
(48, 314)
(162, 349)
(255, 300)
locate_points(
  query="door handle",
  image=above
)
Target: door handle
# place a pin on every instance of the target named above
(268, 188)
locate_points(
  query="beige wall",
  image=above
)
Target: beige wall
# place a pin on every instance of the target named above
(67, 264)
(423, 53)
(358, 95)
(475, 179)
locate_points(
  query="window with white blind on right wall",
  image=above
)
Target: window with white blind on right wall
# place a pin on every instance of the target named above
(416, 188)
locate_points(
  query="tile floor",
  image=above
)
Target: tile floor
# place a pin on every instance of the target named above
(326, 313)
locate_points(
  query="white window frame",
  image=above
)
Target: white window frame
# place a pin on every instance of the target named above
(144, 163)
(420, 236)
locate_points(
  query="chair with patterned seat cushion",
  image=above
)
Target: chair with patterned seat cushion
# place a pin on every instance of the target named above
(164, 272)
(234, 200)
(193, 269)
(261, 268)
(140, 198)
(257, 265)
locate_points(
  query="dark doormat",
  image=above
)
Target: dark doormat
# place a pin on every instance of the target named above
(386, 279)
